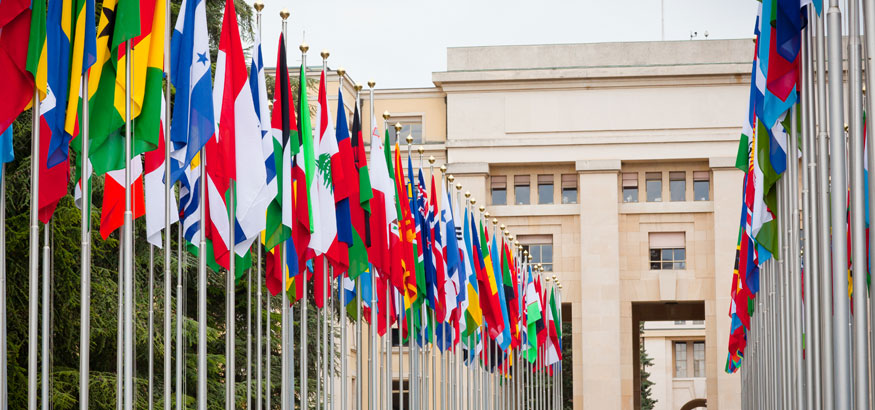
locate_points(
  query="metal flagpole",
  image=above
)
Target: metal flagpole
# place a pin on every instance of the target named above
(823, 223)
(202, 296)
(411, 357)
(812, 340)
(304, 379)
(869, 53)
(85, 258)
(4, 390)
(151, 332)
(33, 261)
(258, 339)
(248, 338)
(330, 365)
(385, 370)
(341, 298)
(322, 391)
(400, 353)
(287, 398)
(180, 306)
(372, 334)
(358, 307)
(168, 191)
(46, 330)
(230, 317)
(842, 358)
(128, 247)
(857, 222)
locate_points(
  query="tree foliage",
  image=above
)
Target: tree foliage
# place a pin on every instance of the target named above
(65, 231)
(647, 400)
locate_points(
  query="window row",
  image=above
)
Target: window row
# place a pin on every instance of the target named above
(677, 186)
(522, 189)
(689, 359)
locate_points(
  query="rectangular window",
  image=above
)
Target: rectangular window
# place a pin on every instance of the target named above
(699, 359)
(630, 187)
(545, 189)
(653, 184)
(680, 359)
(499, 190)
(569, 188)
(677, 185)
(667, 251)
(522, 190)
(540, 248)
(701, 186)
(399, 400)
(409, 126)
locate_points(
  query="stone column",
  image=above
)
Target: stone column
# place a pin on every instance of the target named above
(726, 183)
(596, 326)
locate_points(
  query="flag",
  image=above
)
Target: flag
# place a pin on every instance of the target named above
(278, 160)
(6, 152)
(302, 174)
(505, 336)
(533, 317)
(21, 44)
(239, 141)
(192, 124)
(382, 205)
(471, 304)
(82, 35)
(450, 251)
(154, 190)
(360, 200)
(554, 354)
(112, 214)
(190, 202)
(344, 188)
(258, 89)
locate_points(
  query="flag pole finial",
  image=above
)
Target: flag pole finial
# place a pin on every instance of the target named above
(357, 87)
(341, 71)
(458, 186)
(304, 47)
(495, 221)
(474, 201)
(397, 127)
(444, 170)
(371, 83)
(467, 193)
(516, 243)
(324, 54)
(386, 115)
(485, 214)
(431, 159)
(525, 252)
(409, 139)
(420, 149)
(284, 13)
(258, 6)
(450, 177)
(482, 208)
(554, 278)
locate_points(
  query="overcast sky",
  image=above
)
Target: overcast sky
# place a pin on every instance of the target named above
(400, 43)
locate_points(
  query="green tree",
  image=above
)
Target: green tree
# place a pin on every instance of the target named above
(647, 400)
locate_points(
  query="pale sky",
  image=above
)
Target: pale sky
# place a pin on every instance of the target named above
(400, 43)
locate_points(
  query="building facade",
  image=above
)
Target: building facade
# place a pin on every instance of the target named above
(614, 164)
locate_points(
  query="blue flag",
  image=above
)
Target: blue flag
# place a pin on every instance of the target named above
(193, 118)
(6, 153)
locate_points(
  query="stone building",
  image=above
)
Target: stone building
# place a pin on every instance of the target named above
(615, 162)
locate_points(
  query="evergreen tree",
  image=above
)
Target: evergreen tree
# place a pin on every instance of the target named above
(647, 401)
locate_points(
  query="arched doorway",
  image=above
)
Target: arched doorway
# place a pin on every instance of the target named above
(694, 404)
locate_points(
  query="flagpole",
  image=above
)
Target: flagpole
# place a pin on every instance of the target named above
(4, 390)
(812, 338)
(444, 355)
(869, 53)
(168, 191)
(344, 321)
(46, 308)
(128, 246)
(431, 350)
(287, 386)
(372, 334)
(258, 338)
(322, 391)
(85, 266)
(304, 379)
(411, 386)
(384, 356)
(180, 306)
(151, 332)
(33, 261)
(249, 338)
(358, 307)
(202, 295)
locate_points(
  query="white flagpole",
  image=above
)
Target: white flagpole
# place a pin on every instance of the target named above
(4, 391)
(151, 332)
(372, 334)
(85, 262)
(202, 297)
(258, 339)
(322, 391)
(180, 306)
(411, 381)
(230, 305)
(33, 258)
(287, 387)
(358, 302)
(128, 267)
(305, 402)
(248, 338)
(46, 329)
(168, 191)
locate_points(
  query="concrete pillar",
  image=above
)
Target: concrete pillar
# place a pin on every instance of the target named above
(596, 326)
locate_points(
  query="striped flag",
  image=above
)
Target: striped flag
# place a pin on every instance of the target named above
(112, 214)
(154, 181)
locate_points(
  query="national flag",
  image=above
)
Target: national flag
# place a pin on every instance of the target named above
(278, 163)
(112, 214)
(504, 338)
(6, 152)
(52, 181)
(470, 304)
(382, 204)
(533, 317)
(154, 190)
(554, 352)
(258, 89)
(235, 154)
(192, 124)
(304, 166)
(437, 250)
(22, 42)
(344, 189)
(360, 200)
(450, 257)
(190, 202)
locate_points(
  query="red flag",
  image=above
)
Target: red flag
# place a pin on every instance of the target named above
(15, 16)
(52, 181)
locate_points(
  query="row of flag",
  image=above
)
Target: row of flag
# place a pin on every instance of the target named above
(762, 154)
(302, 187)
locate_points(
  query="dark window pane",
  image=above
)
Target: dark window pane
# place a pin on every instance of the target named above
(678, 190)
(667, 265)
(522, 195)
(654, 191)
(547, 253)
(499, 196)
(680, 254)
(569, 195)
(667, 254)
(655, 254)
(702, 190)
(654, 265)
(548, 267)
(545, 193)
(630, 194)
